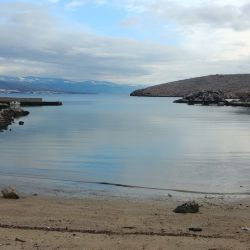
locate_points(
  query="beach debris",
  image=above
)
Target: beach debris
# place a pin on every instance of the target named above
(21, 123)
(246, 229)
(129, 227)
(188, 207)
(17, 239)
(10, 193)
(195, 229)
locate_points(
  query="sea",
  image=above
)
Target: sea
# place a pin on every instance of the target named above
(117, 144)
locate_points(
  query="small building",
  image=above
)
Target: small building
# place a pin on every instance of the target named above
(15, 105)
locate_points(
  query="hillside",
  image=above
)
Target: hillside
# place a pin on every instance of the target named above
(42, 84)
(231, 85)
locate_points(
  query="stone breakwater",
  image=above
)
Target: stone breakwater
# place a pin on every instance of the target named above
(204, 97)
(8, 115)
(217, 97)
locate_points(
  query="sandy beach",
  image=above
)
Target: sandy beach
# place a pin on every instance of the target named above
(36, 222)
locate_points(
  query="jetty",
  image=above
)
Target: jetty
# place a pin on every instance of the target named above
(25, 102)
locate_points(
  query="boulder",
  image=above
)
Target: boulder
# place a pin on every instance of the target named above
(188, 207)
(10, 193)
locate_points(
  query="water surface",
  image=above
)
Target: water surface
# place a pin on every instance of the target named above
(149, 142)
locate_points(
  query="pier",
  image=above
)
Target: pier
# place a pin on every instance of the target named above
(25, 102)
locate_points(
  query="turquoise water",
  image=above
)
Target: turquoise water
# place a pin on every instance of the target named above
(148, 142)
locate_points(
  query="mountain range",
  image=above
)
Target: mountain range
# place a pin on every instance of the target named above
(57, 85)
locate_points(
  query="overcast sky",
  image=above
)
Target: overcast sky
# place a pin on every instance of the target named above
(124, 41)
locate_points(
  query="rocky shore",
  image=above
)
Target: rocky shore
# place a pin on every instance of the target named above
(8, 115)
(215, 97)
(205, 97)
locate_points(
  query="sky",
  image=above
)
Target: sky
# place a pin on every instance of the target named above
(124, 41)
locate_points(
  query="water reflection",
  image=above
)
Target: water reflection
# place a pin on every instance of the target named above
(135, 141)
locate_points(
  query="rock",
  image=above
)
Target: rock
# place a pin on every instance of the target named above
(182, 100)
(195, 229)
(10, 193)
(246, 229)
(17, 239)
(8, 115)
(189, 207)
(205, 97)
(21, 123)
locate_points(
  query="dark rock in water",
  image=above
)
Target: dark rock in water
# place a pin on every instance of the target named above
(204, 97)
(182, 100)
(20, 113)
(237, 103)
(189, 207)
(10, 193)
(21, 123)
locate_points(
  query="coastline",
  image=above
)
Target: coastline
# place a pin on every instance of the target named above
(105, 222)
(8, 116)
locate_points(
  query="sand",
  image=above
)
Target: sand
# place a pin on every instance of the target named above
(36, 222)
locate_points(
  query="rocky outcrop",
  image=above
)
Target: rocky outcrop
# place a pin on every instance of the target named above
(231, 85)
(243, 101)
(8, 115)
(205, 97)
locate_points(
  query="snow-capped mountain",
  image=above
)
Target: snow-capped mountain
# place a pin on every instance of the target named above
(44, 84)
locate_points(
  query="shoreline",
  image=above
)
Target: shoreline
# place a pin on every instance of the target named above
(9, 115)
(106, 222)
(46, 186)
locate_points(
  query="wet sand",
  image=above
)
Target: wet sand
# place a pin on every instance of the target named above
(36, 222)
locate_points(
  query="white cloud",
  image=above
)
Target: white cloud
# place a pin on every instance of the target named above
(215, 38)
(75, 4)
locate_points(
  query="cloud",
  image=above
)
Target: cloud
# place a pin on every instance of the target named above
(35, 42)
(215, 14)
(75, 4)
(212, 40)
(218, 14)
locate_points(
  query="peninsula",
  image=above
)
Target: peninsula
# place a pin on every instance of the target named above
(231, 85)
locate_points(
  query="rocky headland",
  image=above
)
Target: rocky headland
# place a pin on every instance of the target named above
(231, 85)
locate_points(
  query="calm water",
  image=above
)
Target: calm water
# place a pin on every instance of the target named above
(134, 141)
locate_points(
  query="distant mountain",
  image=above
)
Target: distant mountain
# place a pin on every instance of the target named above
(42, 84)
(231, 85)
